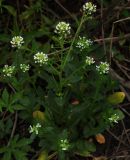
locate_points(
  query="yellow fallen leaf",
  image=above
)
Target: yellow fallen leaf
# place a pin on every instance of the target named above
(100, 138)
(116, 98)
(39, 115)
(43, 156)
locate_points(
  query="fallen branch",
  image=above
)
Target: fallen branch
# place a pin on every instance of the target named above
(114, 39)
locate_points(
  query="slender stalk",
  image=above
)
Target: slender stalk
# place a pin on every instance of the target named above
(61, 70)
(71, 46)
(13, 129)
(52, 155)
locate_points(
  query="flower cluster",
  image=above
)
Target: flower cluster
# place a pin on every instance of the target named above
(8, 70)
(63, 29)
(89, 60)
(17, 42)
(24, 67)
(89, 8)
(83, 43)
(41, 58)
(64, 144)
(34, 128)
(103, 68)
(114, 118)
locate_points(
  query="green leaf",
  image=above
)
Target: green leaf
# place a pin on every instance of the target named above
(119, 113)
(59, 101)
(7, 156)
(8, 126)
(18, 107)
(26, 14)
(85, 148)
(1, 2)
(15, 98)
(2, 104)
(61, 155)
(23, 142)
(5, 96)
(17, 148)
(120, 57)
(20, 155)
(74, 78)
(4, 37)
(46, 47)
(3, 149)
(126, 13)
(10, 9)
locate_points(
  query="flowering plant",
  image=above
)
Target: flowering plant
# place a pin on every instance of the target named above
(61, 94)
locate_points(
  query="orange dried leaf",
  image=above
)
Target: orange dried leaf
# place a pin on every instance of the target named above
(100, 138)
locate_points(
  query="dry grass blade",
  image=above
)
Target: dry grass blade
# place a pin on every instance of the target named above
(117, 138)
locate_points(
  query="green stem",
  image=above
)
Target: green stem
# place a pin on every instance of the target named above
(61, 70)
(17, 58)
(97, 90)
(57, 72)
(71, 46)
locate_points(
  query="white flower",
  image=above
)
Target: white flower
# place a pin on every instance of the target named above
(24, 67)
(8, 70)
(34, 128)
(114, 118)
(89, 60)
(83, 43)
(63, 29)
(41, 58)
(64, 144)
(103, 68)
(17, 41)
(89, 8)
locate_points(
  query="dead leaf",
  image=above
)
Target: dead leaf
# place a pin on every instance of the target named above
(100, 138)
(75, 102)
